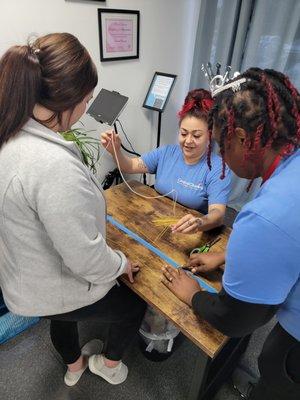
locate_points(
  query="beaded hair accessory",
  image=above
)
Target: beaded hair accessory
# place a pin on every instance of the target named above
(34, 50)
(218, 83)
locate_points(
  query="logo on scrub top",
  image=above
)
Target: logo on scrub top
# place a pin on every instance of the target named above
(190, 185)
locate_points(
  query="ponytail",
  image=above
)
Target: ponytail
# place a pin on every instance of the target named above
(55, 71)
(20, 85)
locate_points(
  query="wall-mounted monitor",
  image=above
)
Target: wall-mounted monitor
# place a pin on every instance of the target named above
(159, 91)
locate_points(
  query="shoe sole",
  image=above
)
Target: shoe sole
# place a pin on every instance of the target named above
(74, 383)
(71, 384)
(96, 372)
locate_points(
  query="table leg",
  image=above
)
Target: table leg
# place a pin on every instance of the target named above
(199, 376)
(210, 374)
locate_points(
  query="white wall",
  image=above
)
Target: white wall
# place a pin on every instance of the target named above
(167, 34)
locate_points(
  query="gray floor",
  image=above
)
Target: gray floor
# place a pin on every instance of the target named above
(30, 369)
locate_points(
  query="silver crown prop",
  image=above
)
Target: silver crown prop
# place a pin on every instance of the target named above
(218, 83)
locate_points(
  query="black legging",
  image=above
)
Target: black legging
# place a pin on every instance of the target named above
(279, 362)
(121, 309)
(279, 366)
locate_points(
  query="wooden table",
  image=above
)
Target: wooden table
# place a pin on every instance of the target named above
(137, 214)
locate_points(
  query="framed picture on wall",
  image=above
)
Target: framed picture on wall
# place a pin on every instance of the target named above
(119, 32)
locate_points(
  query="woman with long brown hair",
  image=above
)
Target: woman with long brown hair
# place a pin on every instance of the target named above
(55, 262)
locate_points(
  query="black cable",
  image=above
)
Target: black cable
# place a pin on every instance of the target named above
(129, 151)
(115, 175)
(125, 148)
(110, 177)
(126, 136)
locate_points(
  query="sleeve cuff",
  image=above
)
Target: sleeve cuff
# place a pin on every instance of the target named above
(123, 260)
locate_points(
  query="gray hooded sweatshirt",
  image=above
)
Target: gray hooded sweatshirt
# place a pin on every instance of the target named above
(53, 254)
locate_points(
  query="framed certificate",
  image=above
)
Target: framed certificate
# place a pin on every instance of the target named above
(159, 91)
(118, 34)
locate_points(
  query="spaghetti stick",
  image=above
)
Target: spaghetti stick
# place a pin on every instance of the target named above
(160, 235)
(164, 221)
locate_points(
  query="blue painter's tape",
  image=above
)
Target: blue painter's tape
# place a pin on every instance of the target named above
(155, 250)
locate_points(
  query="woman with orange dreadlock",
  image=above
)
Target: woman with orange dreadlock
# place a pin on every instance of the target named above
(181, 169)
(256, 122)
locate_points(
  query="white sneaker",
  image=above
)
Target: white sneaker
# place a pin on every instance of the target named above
(92, 347)
(114, 375)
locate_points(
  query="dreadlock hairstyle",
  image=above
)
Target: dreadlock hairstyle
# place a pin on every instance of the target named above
(266, 107)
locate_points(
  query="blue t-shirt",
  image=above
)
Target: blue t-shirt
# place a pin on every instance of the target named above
(195, 185)
(263, 252)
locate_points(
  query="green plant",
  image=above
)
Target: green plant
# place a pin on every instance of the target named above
(88, 146)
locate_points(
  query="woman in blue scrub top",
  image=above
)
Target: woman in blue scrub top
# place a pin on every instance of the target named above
(182, 168)
(256, 122)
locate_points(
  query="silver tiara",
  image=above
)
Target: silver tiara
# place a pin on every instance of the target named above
(218, 83)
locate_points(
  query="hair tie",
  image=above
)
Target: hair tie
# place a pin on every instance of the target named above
(34, 50)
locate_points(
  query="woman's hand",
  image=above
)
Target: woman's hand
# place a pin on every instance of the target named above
(107, 138)
(131, 269)
(180, 284)
(206, 262)
(188, 224)
(191, 224)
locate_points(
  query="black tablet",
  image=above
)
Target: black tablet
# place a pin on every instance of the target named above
(107, 106)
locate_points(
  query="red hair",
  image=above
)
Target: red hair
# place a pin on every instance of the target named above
(197, 103)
